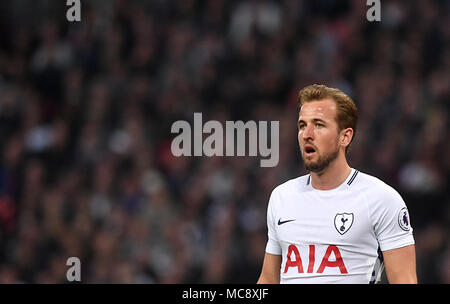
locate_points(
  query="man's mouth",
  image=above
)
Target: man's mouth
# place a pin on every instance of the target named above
(309, 150)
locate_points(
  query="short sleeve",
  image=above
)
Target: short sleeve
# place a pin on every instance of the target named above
(273, 246)
(391, 220)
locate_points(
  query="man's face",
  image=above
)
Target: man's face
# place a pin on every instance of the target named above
(318, 134)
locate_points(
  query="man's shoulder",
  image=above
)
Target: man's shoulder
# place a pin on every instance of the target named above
(373, 186)
(296, 184)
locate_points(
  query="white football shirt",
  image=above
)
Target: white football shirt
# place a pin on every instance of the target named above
(335, 236)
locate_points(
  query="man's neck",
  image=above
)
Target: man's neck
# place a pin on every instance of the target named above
(334, 175)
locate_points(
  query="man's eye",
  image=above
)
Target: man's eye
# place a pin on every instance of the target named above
(319, 125)
(301, 127)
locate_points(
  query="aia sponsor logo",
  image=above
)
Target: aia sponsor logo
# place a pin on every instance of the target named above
(294, 260)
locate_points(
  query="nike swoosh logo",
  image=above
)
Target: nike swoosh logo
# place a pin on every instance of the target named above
(284, 222)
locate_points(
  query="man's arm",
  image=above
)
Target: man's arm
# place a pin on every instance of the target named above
(270, 273)
(401, 265)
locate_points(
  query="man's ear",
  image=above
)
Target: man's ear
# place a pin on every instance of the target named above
(346, 137)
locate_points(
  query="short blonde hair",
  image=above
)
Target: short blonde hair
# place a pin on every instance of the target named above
(347, 112)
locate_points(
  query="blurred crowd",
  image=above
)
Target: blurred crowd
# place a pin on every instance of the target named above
(86, 109)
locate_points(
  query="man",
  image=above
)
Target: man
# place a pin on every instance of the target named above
(336, 224)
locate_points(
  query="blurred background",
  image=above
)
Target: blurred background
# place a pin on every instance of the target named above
(86, 110)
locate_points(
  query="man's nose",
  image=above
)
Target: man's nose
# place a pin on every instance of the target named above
(308, 132)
